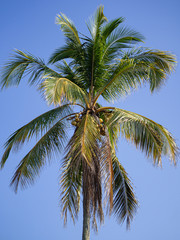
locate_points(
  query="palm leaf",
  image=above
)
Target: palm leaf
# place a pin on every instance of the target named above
(36, 126)
(71, 183)
(159, 65)
(68, 28)
(151, 137)
(60, 89)
(20, 65)
(152, 66)
(96, 22)
(113, 87)
(124, 201)
(64, 52)
(110, 26)
(30, 166)
(107, 168)
(82, 158)
(71, 73)
(83, 143)
(121, 38)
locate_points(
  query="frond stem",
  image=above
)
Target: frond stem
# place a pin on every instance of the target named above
(104, 108)
(107, 85)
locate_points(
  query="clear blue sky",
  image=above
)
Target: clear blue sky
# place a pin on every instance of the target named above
(34, 213)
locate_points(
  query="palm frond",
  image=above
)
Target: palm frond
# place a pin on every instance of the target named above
(124, 201)
(156, 64)
(71, 183)
(59, 89)
(68, 27)
(21, 65)
(83, 143)
(29, 167)
(107, 168)
(113, 87)
(151, 66)
(64, 52)
(149, 136)
(71, 73)
(83, 155)
(121, 38)
(35, 127)
(96, 22)
(110, 26)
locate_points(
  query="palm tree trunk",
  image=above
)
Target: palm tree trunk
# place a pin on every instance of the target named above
(86, 204)
(86, 221)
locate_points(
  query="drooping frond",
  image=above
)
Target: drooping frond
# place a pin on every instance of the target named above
(68, 28)
(151, 137)
(71, 183)
(30, 166)
(92, 189)
(159, 65)
(60, 89)
(107, 168)
(135, 68)
(83, 143)
(20, 65)
(35, 127)
(83, 157)
(124, 200)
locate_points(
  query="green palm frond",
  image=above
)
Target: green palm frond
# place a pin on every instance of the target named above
(71, 73)
(20, 65)
(96, 22)
(95, 69)
(114, 87)
(52, 142)
(60, 89)
(68, 28)
(64, 52)
(110, 27)
(151, 66)
(83, 143)
(71, 183)
(35, 127)
(121, 38)
(149, 136)
(159, 65)
(124, 201)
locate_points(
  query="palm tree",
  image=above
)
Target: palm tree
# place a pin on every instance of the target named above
(106, 65)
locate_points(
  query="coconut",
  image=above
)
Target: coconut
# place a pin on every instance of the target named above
(101, 120)
(74, 123)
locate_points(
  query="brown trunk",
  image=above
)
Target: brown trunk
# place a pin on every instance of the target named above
(86, 221)
(86, 203)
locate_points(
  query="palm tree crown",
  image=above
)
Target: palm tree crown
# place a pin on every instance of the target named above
(104, 65)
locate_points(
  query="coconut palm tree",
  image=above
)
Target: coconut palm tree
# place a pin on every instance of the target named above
(106, 65)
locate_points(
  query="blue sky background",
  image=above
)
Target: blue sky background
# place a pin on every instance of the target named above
(34, 213)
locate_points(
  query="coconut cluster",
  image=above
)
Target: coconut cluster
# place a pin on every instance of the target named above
(76, 122)
(101, 127)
